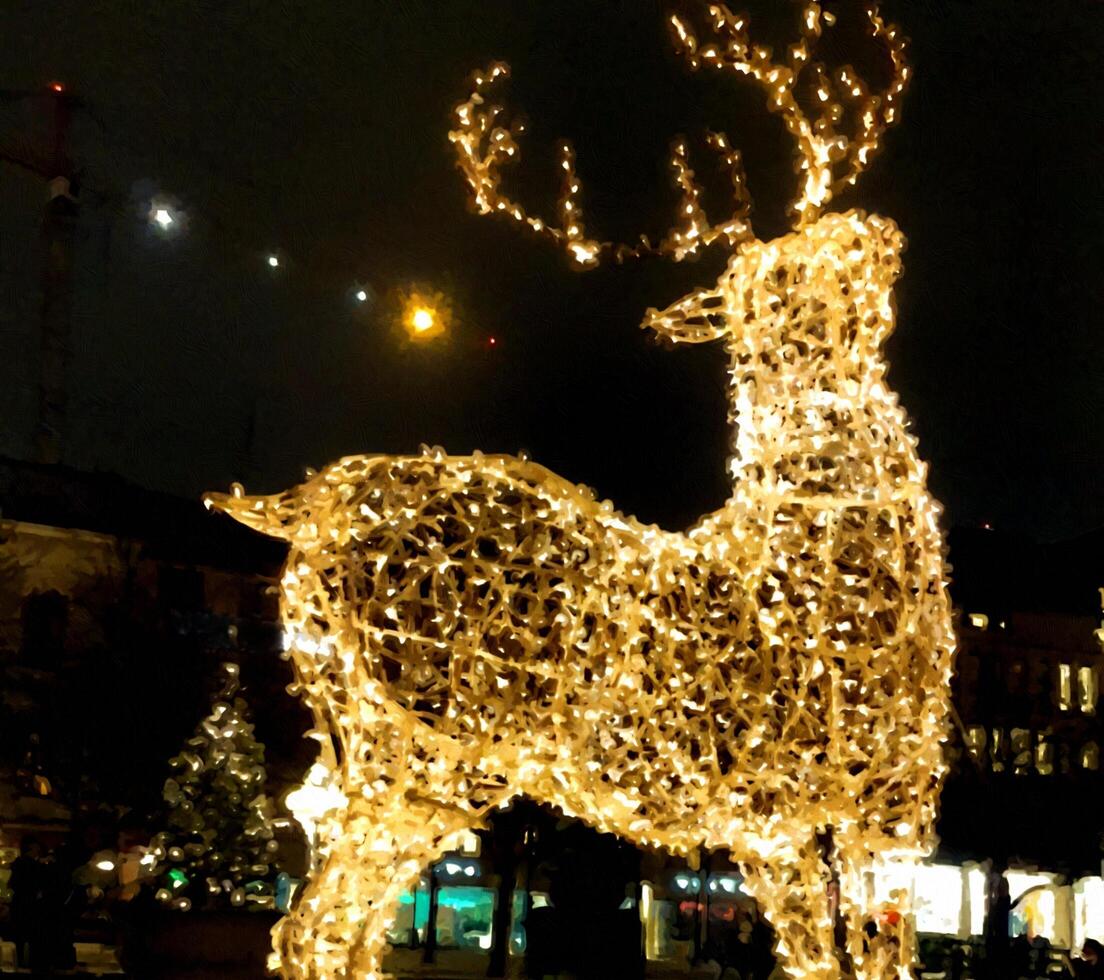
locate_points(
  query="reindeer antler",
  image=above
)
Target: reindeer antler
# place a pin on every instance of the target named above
(821, 145)
(484, 143)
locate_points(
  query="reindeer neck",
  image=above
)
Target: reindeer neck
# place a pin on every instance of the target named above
(788, 420)
(812, 413)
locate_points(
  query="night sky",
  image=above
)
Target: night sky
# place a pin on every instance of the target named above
(318, 130)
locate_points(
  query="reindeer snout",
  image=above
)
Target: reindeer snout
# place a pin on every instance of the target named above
(267, 514)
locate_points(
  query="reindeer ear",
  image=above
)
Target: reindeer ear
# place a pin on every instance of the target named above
(273, 515)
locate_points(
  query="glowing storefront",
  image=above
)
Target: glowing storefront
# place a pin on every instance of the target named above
(950, 901)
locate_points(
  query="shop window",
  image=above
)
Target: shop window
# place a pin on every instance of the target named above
(411, 918)
(938, 899)
(658, 916)
(465, 917)
(45, 619)
(1087, 690)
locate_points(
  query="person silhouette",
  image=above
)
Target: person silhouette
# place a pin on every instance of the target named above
(27, 884)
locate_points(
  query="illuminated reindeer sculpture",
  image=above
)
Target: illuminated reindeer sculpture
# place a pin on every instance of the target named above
(471, 629)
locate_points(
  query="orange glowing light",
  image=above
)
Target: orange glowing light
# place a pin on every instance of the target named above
(425, 315)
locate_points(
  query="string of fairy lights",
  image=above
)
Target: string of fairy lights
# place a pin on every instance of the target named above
(470, 629)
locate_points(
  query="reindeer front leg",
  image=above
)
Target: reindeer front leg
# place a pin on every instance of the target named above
(878, 952)
(371, 848)
(791, 887)
(377, 850)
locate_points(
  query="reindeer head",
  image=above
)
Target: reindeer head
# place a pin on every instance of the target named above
(834, 117)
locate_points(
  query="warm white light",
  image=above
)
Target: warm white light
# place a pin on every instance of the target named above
(425, 315)
(1065, 686)
(273, 261)
(318, 796)
(105, 865)
(362, 296)
(1088, 901)
(164, 218)
(471, 629)
(1087, 689)
(938, 898)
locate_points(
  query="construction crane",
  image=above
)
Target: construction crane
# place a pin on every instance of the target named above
(55, 166)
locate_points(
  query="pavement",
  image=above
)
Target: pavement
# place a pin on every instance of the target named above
(93, 960)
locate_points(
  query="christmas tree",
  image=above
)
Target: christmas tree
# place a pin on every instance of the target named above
(219, 843)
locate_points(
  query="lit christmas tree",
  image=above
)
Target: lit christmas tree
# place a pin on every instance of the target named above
(220, 839)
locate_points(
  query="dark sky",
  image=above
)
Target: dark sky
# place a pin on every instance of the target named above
(319, 129)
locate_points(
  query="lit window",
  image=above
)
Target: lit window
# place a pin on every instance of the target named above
(1090, 756)
(979, 621)
(976, 879)
(1088, 903)
(1021, 750)
(1044, 754)
(465, 917)
(996, 750)
(938, 899)
(1065, 687)
(975, 740)
(1087, 692)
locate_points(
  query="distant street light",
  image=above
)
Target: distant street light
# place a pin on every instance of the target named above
(425, 315)
(362, 296)
(166, 216)
(273, 261)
